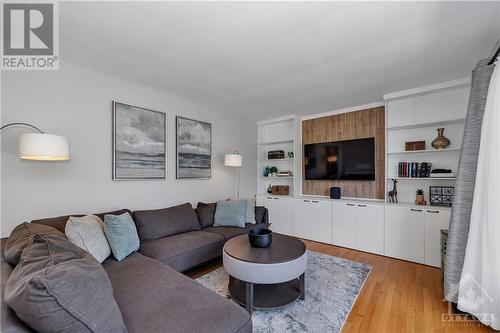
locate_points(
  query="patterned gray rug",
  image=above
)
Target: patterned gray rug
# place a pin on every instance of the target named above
(332, 285)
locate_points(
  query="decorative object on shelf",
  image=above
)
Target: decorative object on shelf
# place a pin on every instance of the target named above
(414, 169)
(420, 200)
(40, 146)
(290, 154)
(280, 190)
(414, 145)
(335, 192)
(287, 173)
(234, 160)
(442, 173)
(194, 148)
(139, 149)
(275, 154)
(266, 170)
(273, 171)
(269, 189)
(441, 195)
(260, 237)
(440, 142)
(393, 195)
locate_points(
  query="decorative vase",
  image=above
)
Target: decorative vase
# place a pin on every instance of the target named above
(269, 189)
(441, 141)
(420, 200)
(266, 171)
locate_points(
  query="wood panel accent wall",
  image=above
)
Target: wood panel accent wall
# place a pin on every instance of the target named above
(348, 126)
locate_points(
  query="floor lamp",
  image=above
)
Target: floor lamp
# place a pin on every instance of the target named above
(41, 146)
(234, 160)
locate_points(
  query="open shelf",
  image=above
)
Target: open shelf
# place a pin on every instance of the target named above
(429, 124)
(424, 151)
(276, 159)
(423, 178)
(268, 143)
(277, 178)
(413, 205)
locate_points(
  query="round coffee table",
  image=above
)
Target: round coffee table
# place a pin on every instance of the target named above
(265, 278)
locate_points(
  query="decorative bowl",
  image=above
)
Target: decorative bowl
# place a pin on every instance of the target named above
(260, 237)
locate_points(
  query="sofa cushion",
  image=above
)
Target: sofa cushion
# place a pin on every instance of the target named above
(184, 251)
(22, 236)
(154, 224)
(230, 213)
(59, 222)
(249, 210)
(206, 213)
(155, 298)
(122, 235)
(88, 233)
(58, 287)
(230, 232)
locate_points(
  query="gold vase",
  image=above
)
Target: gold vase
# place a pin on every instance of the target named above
(441, 141)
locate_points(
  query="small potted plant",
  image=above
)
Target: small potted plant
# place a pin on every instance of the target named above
(420, 200)
(273, 171)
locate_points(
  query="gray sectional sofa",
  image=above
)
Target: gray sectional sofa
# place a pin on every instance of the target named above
(152, 293)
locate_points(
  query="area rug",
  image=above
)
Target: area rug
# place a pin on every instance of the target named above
(332, 285)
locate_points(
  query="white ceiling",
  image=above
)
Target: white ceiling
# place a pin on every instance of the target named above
(267, 59)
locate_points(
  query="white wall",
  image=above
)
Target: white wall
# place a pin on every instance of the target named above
(76, 102)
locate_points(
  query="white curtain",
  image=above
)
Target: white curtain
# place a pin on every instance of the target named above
(479, 289)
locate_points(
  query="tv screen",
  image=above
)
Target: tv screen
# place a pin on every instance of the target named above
(340, 160)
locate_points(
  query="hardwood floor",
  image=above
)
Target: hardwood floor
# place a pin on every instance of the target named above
(398, 296)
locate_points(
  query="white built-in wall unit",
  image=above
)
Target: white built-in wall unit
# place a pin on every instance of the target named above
(404, 230)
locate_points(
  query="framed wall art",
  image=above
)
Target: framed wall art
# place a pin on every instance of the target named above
(194, 148)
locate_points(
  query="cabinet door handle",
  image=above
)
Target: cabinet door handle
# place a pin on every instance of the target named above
(276, 198)
(349, 204)
(307, 200)
(269, 198)
(315, 201)
(433, 211)
(361, 205)
(415, 210)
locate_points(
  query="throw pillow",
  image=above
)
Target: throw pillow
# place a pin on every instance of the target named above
(206, 214)
(230, 214)
(250, 209)
(88, 233)
(22, 237)
(122, 235)
(58, 287)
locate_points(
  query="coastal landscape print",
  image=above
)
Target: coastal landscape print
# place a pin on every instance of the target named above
(139, 143)
(194, 148)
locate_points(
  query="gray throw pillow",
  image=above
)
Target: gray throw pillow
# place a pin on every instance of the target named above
(206, 214)
(249, 210)
(58, 287)
(22, 237)
(230, 214)
(121, 234)
(87, 232)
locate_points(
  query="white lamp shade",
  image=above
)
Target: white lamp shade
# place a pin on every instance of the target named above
(43, 147)
(233, 160)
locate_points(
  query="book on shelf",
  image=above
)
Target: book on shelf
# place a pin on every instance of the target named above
(414, 169)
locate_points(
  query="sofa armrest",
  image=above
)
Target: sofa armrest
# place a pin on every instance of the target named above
(261, 215)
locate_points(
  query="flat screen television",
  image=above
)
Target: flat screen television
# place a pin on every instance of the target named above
(340, 160)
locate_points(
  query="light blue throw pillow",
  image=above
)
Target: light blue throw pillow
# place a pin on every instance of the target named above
(122, 235)
(230, 214)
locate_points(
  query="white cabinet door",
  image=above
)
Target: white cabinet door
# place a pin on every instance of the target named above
(344, 224)
(312, 219)
(435, 220)
(370, 228)
(404, 233)
(280, 212)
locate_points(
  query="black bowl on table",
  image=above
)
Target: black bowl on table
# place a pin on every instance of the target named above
(260, 237)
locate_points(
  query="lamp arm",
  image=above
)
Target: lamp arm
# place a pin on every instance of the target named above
(22, 124)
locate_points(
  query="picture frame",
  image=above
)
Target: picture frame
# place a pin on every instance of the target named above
(139, 143)
(193, 148)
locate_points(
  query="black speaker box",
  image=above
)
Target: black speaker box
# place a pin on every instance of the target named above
(335, 192)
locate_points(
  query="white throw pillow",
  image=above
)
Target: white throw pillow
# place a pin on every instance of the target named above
(88, 233)
(250, 209)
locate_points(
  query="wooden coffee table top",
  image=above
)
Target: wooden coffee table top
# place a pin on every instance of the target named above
(283, 248)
